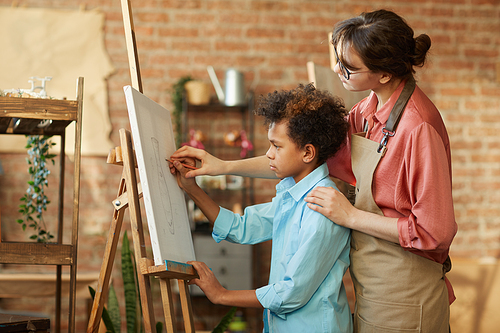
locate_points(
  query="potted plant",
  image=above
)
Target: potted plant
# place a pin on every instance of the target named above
(177, 95)
(35, 201)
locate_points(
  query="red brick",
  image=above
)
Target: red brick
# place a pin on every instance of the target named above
(218, 31)
(490, 158)
(277, 47)
(178, 32)
(466, 145)
(282, 20)
(237, 18)
(491, 91)
(458, 92)
(481, 53)
(224, 5)
(237, 46)
(181, 4)
(190, 46)
(321, 21)
(437, 12)
(269, 5)
(265, 33)
(149, 17)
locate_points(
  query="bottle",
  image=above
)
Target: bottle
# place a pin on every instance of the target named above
(238, 325)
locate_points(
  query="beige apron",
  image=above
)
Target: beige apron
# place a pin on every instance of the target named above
(396, 290)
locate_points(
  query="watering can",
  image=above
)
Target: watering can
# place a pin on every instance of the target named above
(234, 87)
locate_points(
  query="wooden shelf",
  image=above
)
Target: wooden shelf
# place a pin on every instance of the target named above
(36, 253)
(37, 116)
(23, 115)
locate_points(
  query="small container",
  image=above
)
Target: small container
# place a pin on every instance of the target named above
(234, 88)
(198, 92)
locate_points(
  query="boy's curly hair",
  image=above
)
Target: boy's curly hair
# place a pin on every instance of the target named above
(314, 117)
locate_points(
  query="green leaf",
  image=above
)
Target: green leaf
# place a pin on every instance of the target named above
(225, 321)
(114, 309)
(159, 327)
(105, 314)
(129, 286)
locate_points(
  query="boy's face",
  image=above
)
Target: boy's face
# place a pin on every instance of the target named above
(285, 157)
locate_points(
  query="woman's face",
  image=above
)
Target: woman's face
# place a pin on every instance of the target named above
(360, 79)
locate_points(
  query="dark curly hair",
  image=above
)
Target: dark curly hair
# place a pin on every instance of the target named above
(314, 117)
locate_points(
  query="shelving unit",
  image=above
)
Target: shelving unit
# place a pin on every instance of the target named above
(231, 263)
(34, 116)
(214, 121)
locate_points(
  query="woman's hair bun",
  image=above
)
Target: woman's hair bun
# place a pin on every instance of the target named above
(422, 46)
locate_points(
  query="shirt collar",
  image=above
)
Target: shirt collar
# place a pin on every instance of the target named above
(298, 190)
(382, 115)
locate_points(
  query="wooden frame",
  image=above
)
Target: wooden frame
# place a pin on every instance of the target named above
(129, 193)
(22, 116)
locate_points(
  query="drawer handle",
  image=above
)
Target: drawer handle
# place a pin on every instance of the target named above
(223, 270)
(223, 252)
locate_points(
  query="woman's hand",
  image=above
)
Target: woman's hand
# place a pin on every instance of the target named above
(332, 204)
(210, 165)
(207, 282)
(335, 206)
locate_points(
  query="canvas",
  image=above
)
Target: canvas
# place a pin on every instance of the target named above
(164, 201)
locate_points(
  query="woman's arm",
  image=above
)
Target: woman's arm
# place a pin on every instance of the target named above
(257, 167)
(335, 206)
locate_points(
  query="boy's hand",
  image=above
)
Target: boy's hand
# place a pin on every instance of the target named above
(207, 282)
(187, 184)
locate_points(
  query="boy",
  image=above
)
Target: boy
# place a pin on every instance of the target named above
(310, 254)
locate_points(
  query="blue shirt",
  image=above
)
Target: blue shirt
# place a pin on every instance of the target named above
(310, 255)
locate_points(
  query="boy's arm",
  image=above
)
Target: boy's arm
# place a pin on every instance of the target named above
(218, 294)
(200, 198)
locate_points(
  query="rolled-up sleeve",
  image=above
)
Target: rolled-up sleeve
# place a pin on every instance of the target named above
(269, 299)
(431, 224)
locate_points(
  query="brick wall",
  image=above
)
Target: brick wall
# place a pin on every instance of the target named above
(271, 41)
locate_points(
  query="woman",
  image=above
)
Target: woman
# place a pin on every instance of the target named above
(398, 157)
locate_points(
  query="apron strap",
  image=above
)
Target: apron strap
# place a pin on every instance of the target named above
(396, 113)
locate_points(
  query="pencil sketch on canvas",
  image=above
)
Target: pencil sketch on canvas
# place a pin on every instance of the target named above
(164, 201)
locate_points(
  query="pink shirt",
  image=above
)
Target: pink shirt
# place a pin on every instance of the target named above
(413, 180)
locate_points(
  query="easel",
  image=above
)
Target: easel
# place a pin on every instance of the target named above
(129, 192)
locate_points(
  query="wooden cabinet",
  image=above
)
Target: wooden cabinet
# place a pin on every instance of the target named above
(231, 263)
(33, 116)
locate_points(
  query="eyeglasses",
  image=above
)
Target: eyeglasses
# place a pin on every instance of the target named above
(345, 72)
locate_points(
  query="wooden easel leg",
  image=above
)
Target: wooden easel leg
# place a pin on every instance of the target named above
(168, 305)
(137, 229)
(187, 310)
(107, 266)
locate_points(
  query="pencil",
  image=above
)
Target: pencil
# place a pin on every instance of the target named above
(184, 165)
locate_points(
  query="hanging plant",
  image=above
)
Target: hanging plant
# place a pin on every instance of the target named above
(177, 95)
(34, 200)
